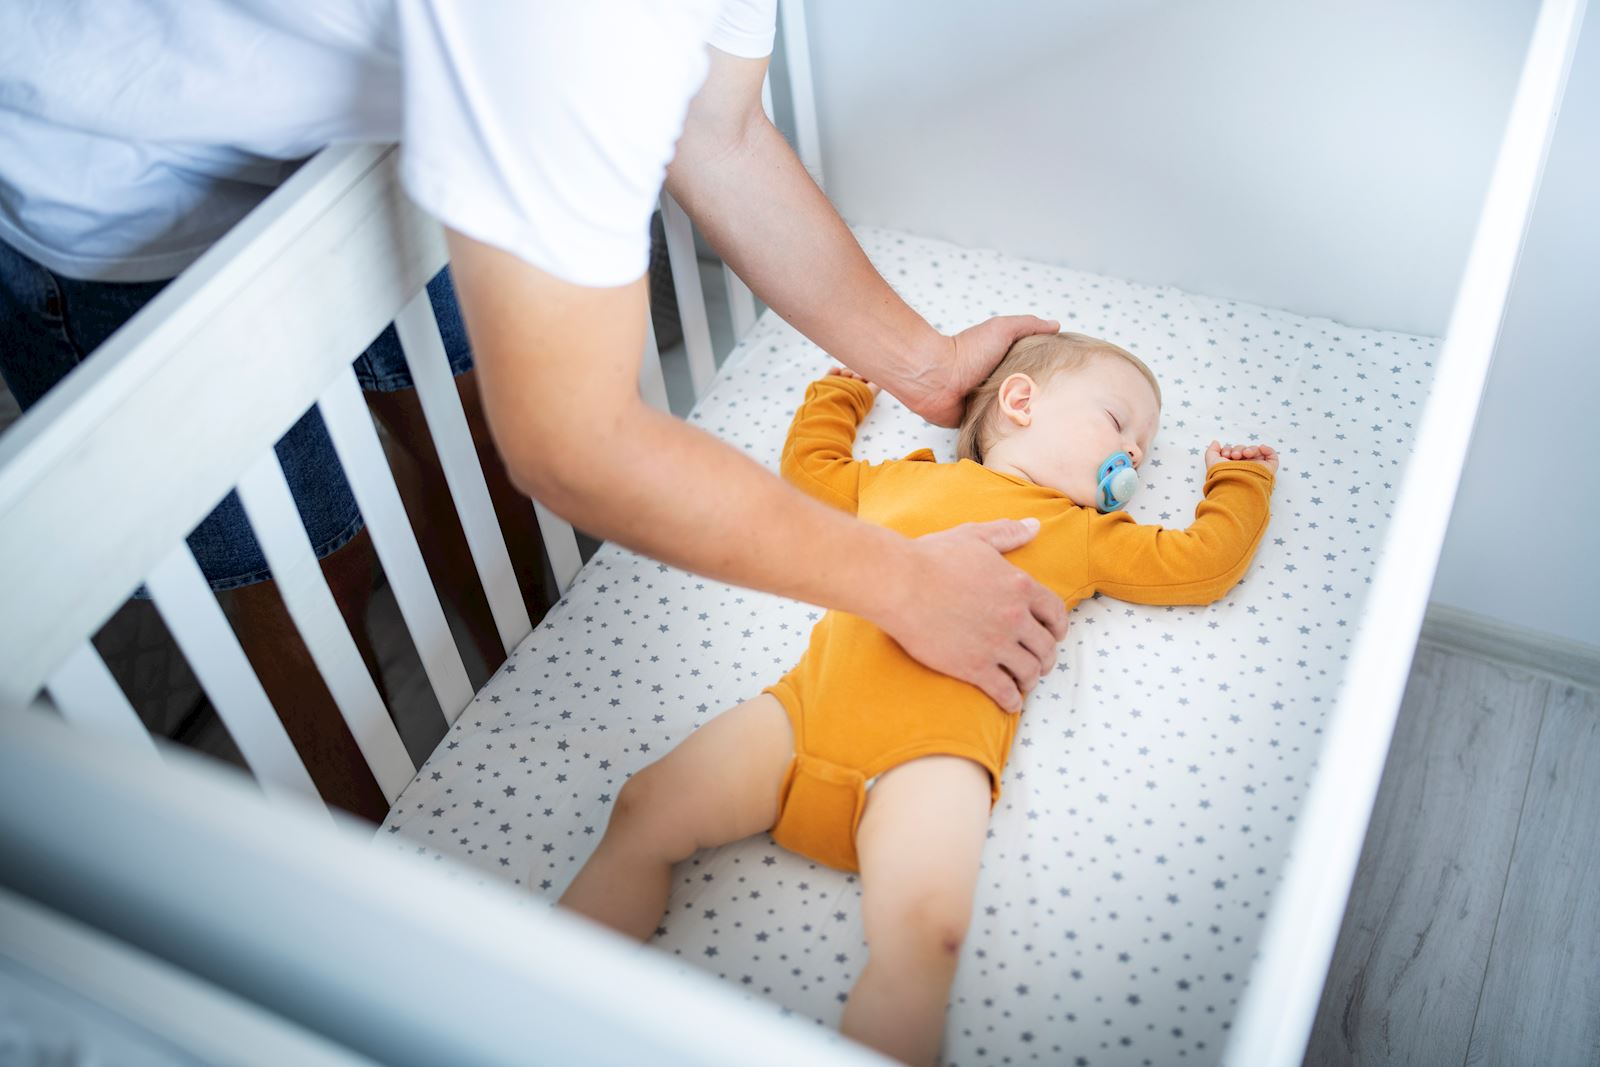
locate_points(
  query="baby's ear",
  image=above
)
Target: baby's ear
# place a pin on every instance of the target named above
(1015, 398)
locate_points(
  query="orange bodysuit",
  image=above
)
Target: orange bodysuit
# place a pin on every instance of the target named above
(860, 706)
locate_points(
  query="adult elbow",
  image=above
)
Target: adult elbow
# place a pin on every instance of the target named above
(561, 485)
(575, 467)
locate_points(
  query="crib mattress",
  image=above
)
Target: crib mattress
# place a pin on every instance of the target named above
(1157, 771)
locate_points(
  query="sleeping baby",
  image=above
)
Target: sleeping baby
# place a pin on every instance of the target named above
(865, 760)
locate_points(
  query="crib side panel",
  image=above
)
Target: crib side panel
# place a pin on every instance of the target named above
(196, 622)
(802, 95)
(361, 455)
(268, 502)
(146, 438)
(447, 424)
(312, 924)
(1280, 1004)
(691, 298)
(87, 696)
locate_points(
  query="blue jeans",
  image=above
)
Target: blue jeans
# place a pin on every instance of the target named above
(49, 324)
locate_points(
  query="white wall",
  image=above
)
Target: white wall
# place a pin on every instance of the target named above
(1524, 542)
(1328, 160)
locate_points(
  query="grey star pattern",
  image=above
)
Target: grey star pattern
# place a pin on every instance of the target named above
(1157, 772)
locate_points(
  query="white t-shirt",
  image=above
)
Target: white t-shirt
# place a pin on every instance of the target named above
(134, 133)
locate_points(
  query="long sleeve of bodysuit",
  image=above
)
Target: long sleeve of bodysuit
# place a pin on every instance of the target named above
(1153, 565)
(817, 455)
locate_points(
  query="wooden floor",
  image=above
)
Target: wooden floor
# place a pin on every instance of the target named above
(1472, 936)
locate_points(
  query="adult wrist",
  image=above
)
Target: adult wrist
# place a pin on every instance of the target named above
(886, 569)
(923, 368)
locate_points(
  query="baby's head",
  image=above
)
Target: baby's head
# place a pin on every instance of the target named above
(1057, 407)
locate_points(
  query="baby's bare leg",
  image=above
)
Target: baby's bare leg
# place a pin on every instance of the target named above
(919, 844)
(719, 785)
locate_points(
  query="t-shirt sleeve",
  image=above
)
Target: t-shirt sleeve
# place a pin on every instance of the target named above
(544, 127)
(745, 28)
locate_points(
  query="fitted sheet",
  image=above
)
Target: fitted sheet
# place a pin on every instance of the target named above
(1157, 771)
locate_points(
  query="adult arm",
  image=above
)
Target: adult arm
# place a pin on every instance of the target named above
(747, 191)
(558, 365)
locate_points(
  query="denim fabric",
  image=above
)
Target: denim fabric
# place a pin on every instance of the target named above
(49, 324)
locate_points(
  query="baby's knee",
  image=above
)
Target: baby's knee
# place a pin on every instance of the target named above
(937, 922)
(648, 811)
(638, 798)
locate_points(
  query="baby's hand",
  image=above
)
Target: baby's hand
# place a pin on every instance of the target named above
(1262, 454)
(846, 372)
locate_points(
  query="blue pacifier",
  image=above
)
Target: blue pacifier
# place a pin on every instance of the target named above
(1118, 482)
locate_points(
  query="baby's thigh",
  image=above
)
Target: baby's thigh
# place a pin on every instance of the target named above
(721, 783)
(921, 838)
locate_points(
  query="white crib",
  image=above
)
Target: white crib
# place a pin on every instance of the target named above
(152, 878)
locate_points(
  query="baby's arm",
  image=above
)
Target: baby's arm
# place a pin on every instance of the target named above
(1152, 565)
(817, 456)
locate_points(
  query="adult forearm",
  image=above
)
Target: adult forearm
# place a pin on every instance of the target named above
(670, 491)
(758, 207)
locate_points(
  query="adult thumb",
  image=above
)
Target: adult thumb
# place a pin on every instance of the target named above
(1006, 534)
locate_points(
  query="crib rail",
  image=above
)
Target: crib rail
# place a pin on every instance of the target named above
(368, 951)
(260, 329)
(205, 379)
(1280, 1003)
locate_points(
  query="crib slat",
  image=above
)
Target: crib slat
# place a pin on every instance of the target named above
(741, 303)
(691, 298)
(802, 94)
(276, 522)
(89, 698)
(447, 423)
(361, 454)
(195, 620)
(561, 545)
(652, 382)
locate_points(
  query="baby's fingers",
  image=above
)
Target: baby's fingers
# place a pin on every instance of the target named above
(846, 372)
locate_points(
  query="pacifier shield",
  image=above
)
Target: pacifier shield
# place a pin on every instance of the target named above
(1118, 481)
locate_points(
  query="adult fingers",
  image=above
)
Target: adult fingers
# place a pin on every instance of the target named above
(1049, 610)
(1019, 326)
(1041, 644)
(1023, 667)
(1007, 534)
(1002, 689)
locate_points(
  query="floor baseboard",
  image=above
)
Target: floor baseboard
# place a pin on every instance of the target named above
(1516, 646)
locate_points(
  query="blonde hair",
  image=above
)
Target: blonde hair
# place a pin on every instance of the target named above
(1040, 357)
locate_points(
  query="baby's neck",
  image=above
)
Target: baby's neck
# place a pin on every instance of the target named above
(1002, 466)
(1001, 460)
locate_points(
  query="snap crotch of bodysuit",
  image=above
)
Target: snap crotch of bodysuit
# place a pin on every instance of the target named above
(819, 809)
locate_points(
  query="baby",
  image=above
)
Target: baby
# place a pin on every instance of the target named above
(1057, 434)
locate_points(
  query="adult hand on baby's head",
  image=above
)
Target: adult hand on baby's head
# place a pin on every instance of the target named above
(846, 372)
(1262, 454)
(964, 361)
